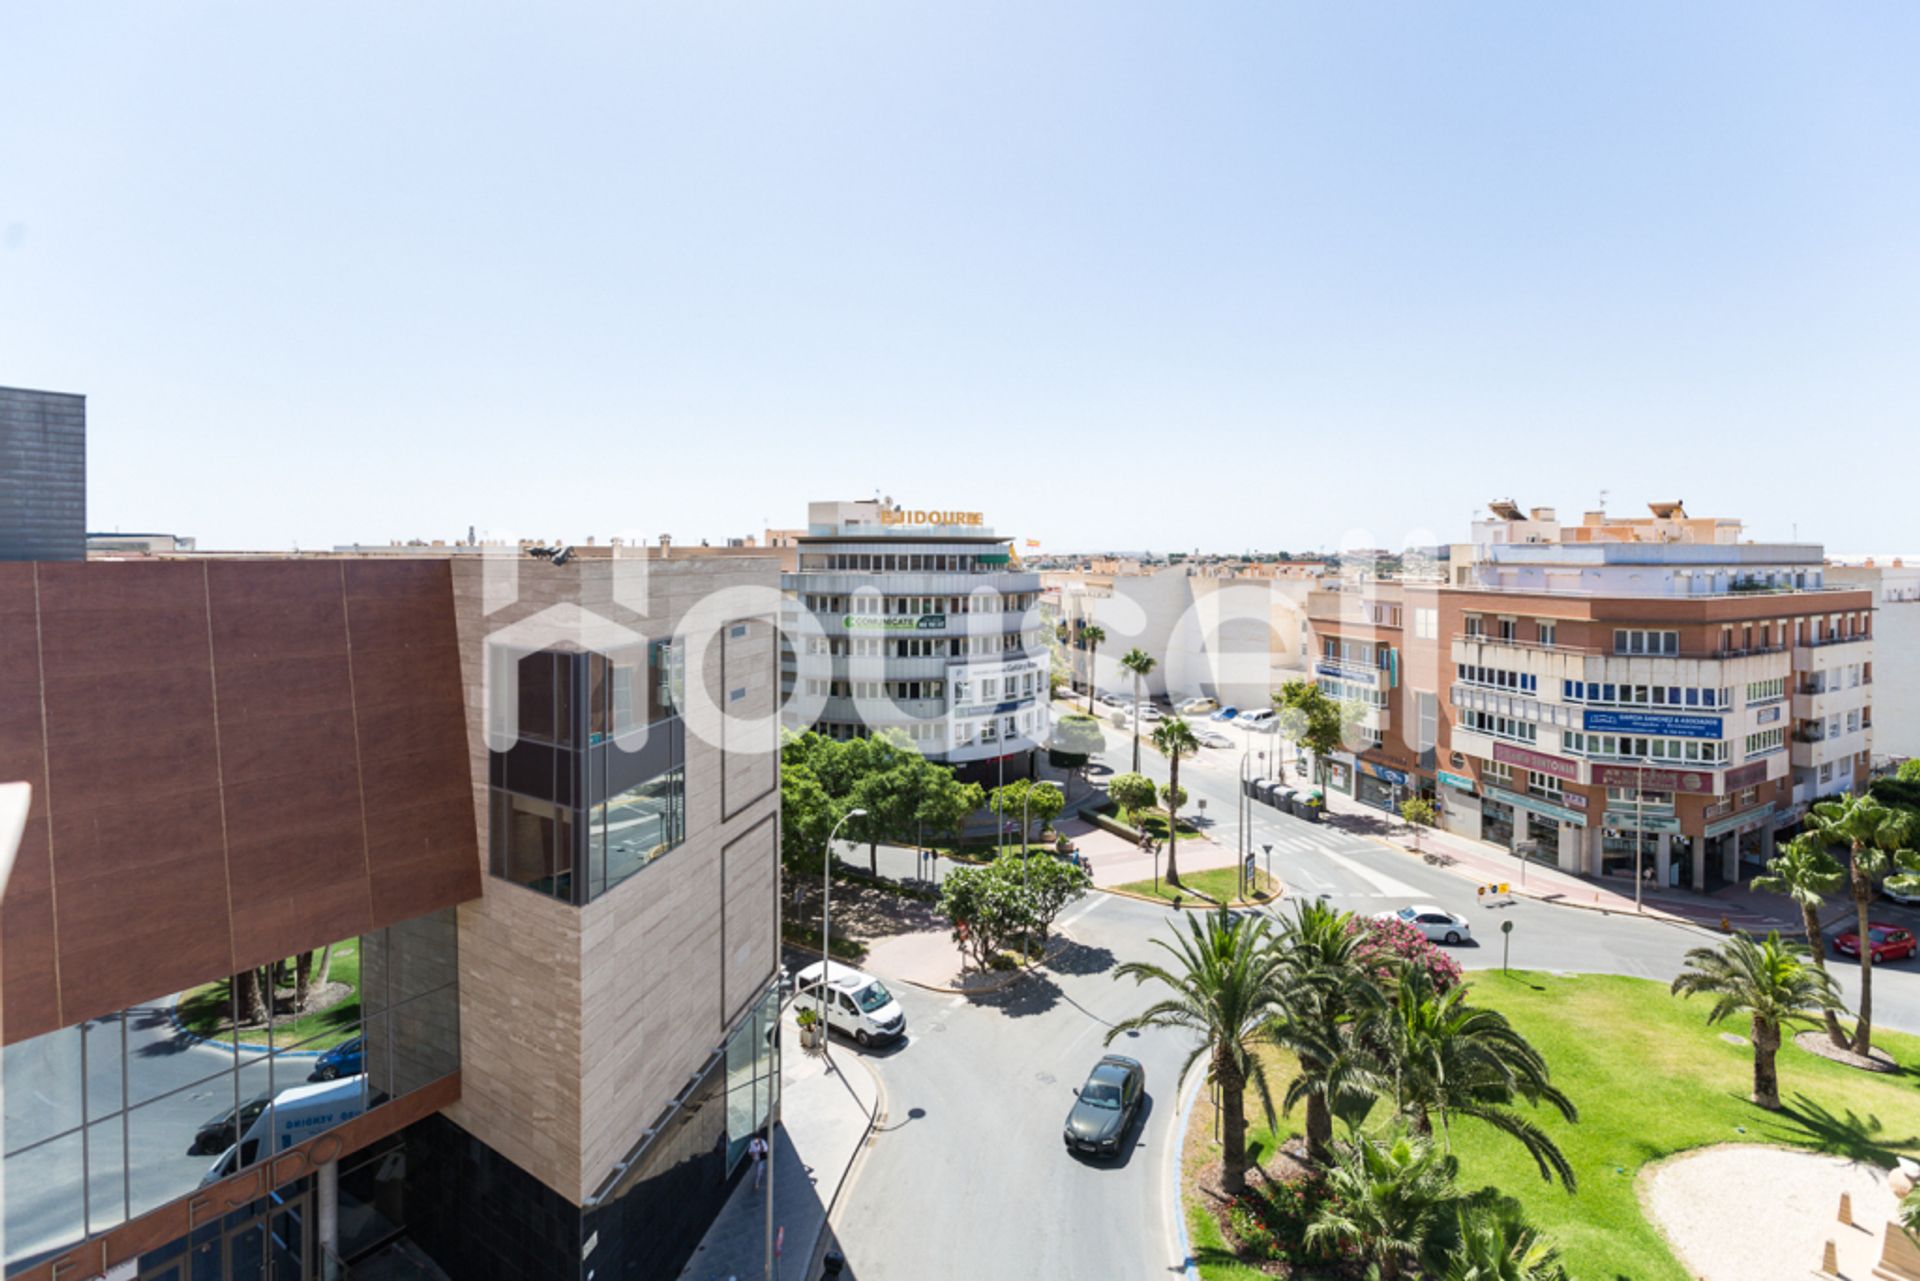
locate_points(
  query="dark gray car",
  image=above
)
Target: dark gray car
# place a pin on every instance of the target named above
(1106, 1106)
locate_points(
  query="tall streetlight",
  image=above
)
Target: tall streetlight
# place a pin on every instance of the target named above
(1245, 812)
(826, 922)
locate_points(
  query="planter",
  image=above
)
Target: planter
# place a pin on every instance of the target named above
(809, 1036)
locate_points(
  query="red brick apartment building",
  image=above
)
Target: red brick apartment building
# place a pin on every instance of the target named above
(1618, 691)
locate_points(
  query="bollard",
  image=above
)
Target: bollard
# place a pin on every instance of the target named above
(1726, 927)
(1830, 1261)
(1846, 1208)
(831, 1265)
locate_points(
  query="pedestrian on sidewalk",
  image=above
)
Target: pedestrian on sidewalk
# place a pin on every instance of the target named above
(757, 1149)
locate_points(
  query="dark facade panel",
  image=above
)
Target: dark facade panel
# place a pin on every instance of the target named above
(43, 475)
(237, 760)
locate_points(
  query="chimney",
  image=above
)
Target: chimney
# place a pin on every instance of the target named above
(1542, 514)
(666, 545)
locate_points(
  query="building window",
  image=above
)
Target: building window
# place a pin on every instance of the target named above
(1640, 641)
(1427, 707)
(1426, 624)
(1545, 631)
(532, 844)
(636, 827)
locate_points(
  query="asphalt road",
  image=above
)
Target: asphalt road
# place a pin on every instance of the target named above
(970, 1178)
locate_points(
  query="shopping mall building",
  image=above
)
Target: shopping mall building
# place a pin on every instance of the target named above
(509, 823)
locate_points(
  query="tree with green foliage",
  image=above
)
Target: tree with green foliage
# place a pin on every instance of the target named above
(1174, 739)
(1090, 637)
(1444, 1058)
(1327, 997)
(1909, 771)
(1418, 812)
(945, 803)
(1390, 1201)
(1877, 838)
(1051, 884)
(1139, 663)
(987, 906)
(1073, 742)
(1492, 1241)
(807, 816)
(1223, 985)
(1805, 872)
(1771, 984)
(1044, 803)
(1318, 722)
(1132, 793)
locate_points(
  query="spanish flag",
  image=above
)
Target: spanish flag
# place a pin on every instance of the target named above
(1033, 542)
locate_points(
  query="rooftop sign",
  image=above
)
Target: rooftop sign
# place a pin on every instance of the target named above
(902, 516)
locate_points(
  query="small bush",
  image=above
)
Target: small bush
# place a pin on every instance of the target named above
(1393, 942)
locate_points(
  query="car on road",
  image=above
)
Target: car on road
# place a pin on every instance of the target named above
(342, 1060)
(1148, 712)
(1900, 896)
(1260, 718)
(1889, 942)
(858, 1004)
(1438, 924)
(1225, 714)
(218, 1134)
(1212, 738)
(1107, 698)
(1105, 1106)
(1195, 706)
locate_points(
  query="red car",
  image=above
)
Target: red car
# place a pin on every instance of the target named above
(1890, 942)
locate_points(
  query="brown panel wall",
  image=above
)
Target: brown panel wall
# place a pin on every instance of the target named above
(237, 760)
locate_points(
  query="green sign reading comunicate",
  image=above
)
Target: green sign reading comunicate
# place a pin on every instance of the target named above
(924, 623)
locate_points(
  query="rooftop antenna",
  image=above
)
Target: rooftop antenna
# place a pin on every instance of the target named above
(1603, 502)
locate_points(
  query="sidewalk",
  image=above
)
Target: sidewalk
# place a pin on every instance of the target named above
(1484, 864)
(827, 1106)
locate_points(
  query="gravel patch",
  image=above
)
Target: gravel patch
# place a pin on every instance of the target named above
(1736, 1212)
(1816, 1041)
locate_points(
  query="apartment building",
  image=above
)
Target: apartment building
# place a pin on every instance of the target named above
(918, 622)
(1225, 630)
(1894, 582)
(43, 475)
(510, 823)
(1651, 693)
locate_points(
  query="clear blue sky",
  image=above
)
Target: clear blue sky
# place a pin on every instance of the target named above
(1117, 274)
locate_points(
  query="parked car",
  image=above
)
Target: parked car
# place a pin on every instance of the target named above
(1213, 738)
(858, 1005)
(343, 1059)
(1106, 698)
(218, 1134)
(1148, 712)
(1889, 942)
(1260, 718)
(1105, 1107)
(1438, 924)
(1225, 714)
(1195, 706)
(1900, 896)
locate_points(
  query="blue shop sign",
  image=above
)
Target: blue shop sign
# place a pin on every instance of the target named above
(1659, 724)
(1397, 777)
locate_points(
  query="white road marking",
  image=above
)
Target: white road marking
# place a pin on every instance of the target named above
(1380, 881)
(958, 1000)
(1092, 904)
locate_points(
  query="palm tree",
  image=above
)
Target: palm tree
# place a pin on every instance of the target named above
(1806, 873)
(1090, 637)
(1326, 995)
(1175, 739)
(1877, 837)
(1388, 1201)
(1443, 1056)
(1768, 981)
(1139, 662)
(1494, 1243)
(1224, 984)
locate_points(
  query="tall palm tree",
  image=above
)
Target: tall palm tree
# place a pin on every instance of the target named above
(1389, 1201)
(1224, 983)
(1806, 873)
(1090, 637)
(1494, 1243)
(1445, 1057)
(1326, 996)
(1877, 837)
(1769, 982)
(1139, 662)
(1175, 739)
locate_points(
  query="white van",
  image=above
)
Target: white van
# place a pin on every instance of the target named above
(1261, 718)
(294, 1115)
(858, 1004)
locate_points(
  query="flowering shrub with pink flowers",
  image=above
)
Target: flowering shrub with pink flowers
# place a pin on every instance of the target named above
(1389, 942)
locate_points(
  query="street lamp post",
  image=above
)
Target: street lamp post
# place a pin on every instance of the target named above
(826, 922)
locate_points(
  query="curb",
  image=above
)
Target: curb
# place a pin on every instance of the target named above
(266, 1051)
(847, 1176)
(1006, 981)
(1202, 905)
(1190, 1269)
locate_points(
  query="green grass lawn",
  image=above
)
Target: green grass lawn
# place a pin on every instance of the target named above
(1218, 883)
(1650, 1079)
(205, 1008)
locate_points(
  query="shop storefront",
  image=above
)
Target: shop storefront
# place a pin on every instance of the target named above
(1530, 821)
(1496, 822)
(1340, 774)
(1379, 786)
(1622, 830)
(1739, 845)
